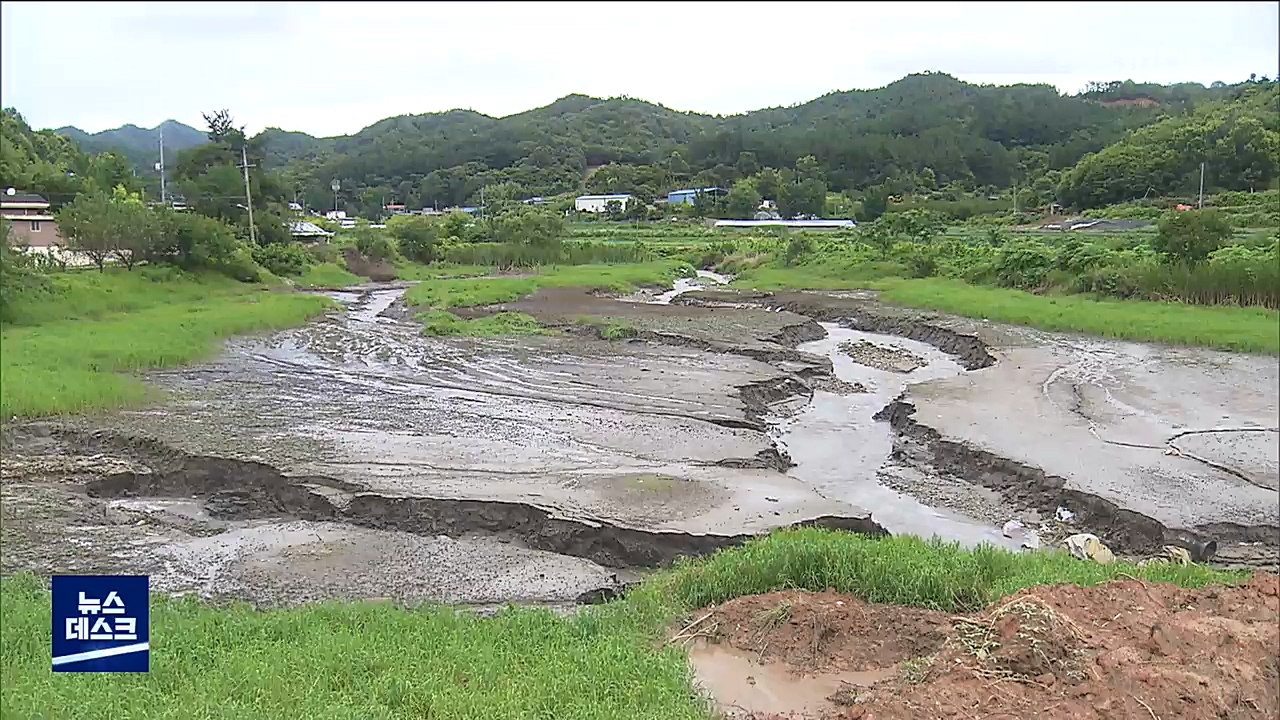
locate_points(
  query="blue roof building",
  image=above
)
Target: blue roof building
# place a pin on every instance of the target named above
(688, 196)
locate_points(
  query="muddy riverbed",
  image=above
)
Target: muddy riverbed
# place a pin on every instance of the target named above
(355, 458)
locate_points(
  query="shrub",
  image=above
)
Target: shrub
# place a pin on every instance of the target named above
(282, 258)
(417, 237)
(799, 248)
(1190, 237)
(374, 245)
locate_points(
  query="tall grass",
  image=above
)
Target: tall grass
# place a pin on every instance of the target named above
(69, 356)
(374, 660)
(567, 253)
(900, 570)
(1223, 328)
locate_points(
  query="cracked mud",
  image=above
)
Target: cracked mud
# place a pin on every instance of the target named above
(354, 458)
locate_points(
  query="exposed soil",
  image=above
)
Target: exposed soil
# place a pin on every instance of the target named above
(570, 460)
(1146, 445)
(1127, 649)
(882, 357)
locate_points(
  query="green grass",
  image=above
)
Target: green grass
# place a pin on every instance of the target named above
(825, 276)
(89, 294)
(1220, 327)
(72, 355)
(1241, 329)
(416, 271)
(438, 296)
(469, 292)
(328, 275)
(444, 323)
(368, 660)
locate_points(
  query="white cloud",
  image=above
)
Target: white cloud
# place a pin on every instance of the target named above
(329, 68)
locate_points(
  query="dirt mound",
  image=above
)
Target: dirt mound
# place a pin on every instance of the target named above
(819, 632)
(1127, 649)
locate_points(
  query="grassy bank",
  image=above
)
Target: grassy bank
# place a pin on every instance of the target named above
(1225, 327)
(1250, 329)
(68, 350)
(436, 296)
(328, 275)
(367, 660)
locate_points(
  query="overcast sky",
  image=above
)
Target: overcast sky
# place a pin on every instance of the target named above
(333, 68)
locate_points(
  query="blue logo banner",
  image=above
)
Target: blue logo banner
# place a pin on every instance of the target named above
(101, 623)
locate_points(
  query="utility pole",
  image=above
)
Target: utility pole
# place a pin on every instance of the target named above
(1201, 205)
(248, 198)
(162, 193)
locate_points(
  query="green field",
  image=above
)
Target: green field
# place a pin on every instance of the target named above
(374, 660)
(69, 350)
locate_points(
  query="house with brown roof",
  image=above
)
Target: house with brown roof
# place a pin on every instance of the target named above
(30, 222)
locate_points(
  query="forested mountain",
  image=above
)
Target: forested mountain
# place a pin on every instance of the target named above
(1238, 141)
(139, 146)
(50, 164)
(927, 131)
(929, 128)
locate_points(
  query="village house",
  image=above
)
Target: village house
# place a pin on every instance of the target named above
(30, 222)
(600, 203)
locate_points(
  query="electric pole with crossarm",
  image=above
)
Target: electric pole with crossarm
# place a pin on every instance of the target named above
(248, 197)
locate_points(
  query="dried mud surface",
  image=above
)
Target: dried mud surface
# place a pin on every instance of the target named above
(1146, 445)
(356, 448)
(1127, 649)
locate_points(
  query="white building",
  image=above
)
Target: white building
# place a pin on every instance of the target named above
(599, 203)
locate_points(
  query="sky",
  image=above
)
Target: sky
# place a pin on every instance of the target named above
(334, 68)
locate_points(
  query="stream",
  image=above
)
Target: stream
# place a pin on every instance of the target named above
(838, 448)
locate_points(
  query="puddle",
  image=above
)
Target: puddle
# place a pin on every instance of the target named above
(738, 683)
(838, 447)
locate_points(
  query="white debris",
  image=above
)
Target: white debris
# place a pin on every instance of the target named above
(1012, 527)
(1064, 515)
(1085, 546)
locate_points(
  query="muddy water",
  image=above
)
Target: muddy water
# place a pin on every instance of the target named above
(684, 285)
(838, 448)
(726, 674)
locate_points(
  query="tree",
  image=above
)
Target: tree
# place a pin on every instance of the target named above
(874, 203)
(417, 236)
(743, 200)
(767, 183)
(195, 241)
(807, 197)
(807, 168)
(86, 223)
(222, 129)
(135, 227)
(1189, 237)
(373, 244)
(457, 225)
(747, 165)
(928, 180)
(530, 227)
(676, 165)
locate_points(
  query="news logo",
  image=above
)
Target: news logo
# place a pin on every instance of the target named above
(101, 623)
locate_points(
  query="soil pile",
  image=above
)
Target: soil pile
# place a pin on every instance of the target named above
(1127, 649)
(880, 357)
